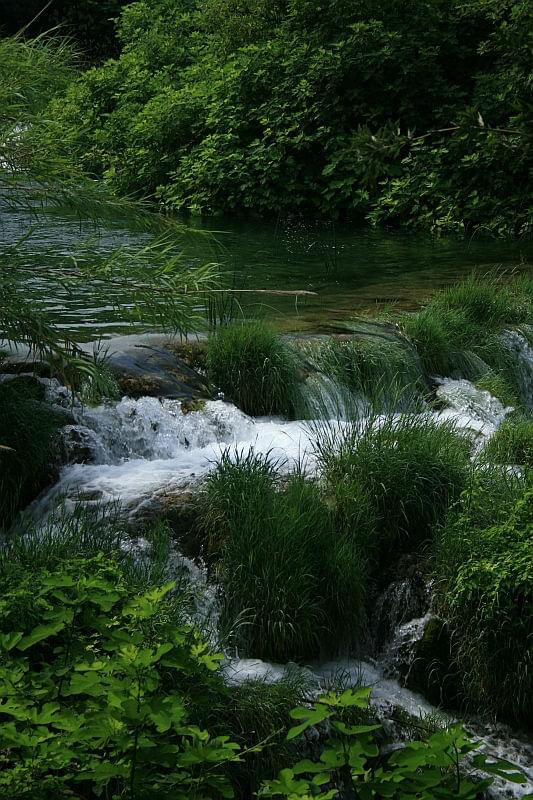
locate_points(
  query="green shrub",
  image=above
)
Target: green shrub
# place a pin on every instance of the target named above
(252, 365)
(30, 454)
(512, 443)
(270, 107)
(96, 689)
(351, 763)
(292, 577)
(408, 470)
(485, 566)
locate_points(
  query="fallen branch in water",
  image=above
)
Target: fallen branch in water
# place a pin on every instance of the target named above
(277, 292)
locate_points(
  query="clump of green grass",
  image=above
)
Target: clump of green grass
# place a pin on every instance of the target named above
(487, 301)
(512, 443)
(458, 331)
(408, 470)
(484, 562)
(290, 574)
(385, 373)
(254, 368)
(30, 454)
(500, 387)
(85, 532)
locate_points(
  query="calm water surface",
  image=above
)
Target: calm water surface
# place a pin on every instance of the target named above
(352, 270)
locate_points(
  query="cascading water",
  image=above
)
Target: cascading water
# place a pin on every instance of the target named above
(522, 353)
(138, 450)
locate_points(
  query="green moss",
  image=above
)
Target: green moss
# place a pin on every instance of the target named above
(254, 368)
(431, 671)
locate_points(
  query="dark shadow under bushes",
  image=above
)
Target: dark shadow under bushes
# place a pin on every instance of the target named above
(30, 445)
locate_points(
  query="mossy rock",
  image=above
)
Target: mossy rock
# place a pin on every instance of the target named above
(431, 671)
(145, 371)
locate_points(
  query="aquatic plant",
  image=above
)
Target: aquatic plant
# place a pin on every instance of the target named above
(291, 576)
(409, 469)
(255, 368)
(484, 563)
(512, 443)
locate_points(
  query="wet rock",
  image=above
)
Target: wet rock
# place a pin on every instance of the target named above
(146, 371)
(404, 599)
(79, 444)
(180, 510)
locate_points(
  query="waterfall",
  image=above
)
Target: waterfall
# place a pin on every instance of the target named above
(522, 352)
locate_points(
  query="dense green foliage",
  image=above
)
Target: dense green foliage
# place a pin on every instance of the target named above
(485, 561)
(96, 685)
(106, 691)
(292, 577)
(351, 763)
(414, 114)
(254, 368)
(30, 452)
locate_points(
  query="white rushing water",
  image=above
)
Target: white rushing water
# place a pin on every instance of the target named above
(142, 447)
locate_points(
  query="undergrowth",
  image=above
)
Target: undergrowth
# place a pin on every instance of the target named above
(484, 562)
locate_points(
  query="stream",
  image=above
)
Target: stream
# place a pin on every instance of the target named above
(145, 452)
(141, 454)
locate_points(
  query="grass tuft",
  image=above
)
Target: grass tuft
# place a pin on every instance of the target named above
(484, 562)
(292, 576)
(458, 333)
(406, 469)
(254, 368)
(512, 443)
